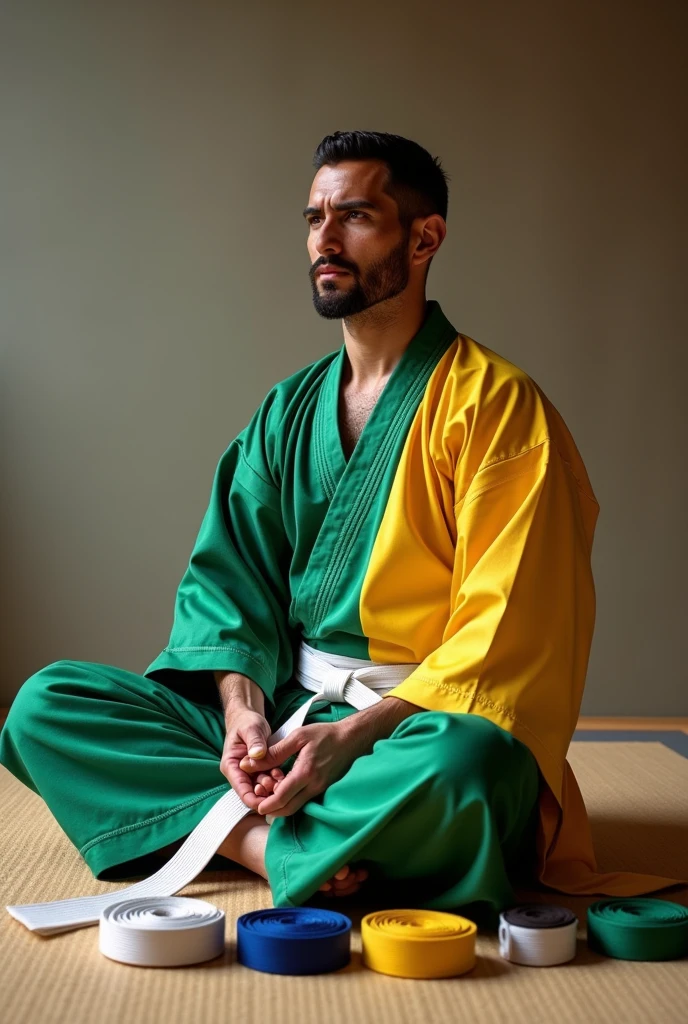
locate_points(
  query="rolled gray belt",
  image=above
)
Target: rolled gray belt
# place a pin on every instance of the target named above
(538, 935)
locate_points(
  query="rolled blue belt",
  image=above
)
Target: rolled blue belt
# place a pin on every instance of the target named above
(294, 940)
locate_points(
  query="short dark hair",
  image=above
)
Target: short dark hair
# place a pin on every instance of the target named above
(417, 182)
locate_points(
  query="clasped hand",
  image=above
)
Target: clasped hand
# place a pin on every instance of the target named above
(324, 754)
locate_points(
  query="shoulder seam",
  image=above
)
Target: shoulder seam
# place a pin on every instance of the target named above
(494, 462)
(514, 455)
(268, 483)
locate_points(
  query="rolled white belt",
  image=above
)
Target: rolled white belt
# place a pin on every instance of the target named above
(538, 935)
(157, 932)
(332, 678)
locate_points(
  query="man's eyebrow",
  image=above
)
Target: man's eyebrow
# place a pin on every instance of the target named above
(350, 204)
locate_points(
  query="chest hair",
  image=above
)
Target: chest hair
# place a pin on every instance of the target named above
(354, 410)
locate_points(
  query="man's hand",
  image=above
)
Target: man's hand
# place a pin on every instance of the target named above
(247, 736)
(324, 755)
(325, 751)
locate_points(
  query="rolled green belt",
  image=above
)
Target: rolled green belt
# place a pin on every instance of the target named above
(638, 929)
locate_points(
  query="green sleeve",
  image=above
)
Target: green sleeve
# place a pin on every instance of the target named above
(231, 609)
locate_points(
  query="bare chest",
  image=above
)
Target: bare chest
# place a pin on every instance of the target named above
(354, 411)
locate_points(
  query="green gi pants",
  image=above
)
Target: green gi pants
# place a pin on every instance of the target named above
(443, 813)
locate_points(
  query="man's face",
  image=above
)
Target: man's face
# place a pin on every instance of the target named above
(365, 241)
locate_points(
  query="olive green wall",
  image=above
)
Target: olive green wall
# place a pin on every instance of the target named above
(155, 159)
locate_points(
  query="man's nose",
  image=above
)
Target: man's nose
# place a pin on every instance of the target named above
(328, 239)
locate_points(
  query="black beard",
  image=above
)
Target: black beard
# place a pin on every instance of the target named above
(383, 280)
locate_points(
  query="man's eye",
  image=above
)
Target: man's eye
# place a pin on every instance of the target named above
(349, 214)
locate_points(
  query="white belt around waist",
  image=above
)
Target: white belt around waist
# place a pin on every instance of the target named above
(332, 678)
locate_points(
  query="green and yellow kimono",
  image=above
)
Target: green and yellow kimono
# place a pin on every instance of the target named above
(457, 537)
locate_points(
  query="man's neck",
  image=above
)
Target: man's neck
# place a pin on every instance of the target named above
(377, 338)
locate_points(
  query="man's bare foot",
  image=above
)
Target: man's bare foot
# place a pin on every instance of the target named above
(345, 882)
(246, 843)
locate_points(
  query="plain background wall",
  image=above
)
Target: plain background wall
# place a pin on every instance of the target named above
(155, 159)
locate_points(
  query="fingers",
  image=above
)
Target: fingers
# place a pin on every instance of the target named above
(302, 797)
(256, 746)
(292, 793)
(247, 735)
(255, 764)
(265, 785)
(277, 754)
(242, 784)
(235, 748)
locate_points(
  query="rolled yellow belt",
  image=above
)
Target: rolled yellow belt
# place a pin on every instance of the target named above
(418, 943)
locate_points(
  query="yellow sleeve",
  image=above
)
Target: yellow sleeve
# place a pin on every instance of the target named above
(517, 643)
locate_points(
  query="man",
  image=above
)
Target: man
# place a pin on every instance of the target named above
(412, 499)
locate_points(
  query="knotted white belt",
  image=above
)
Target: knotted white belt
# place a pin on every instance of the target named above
(332, 678)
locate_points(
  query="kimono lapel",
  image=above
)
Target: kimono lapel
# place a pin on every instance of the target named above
(358, 489)
(331, 460)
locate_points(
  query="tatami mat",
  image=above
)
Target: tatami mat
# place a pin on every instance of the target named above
(637, 796)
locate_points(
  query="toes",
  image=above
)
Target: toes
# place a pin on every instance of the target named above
(345, 882)
(348, 890)
(340, 885)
